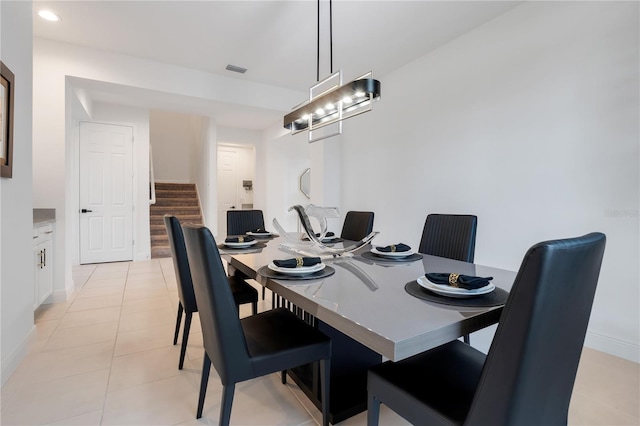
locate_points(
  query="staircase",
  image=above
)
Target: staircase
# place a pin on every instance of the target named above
(178, 199)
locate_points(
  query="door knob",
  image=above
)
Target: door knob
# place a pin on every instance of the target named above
(85, 211)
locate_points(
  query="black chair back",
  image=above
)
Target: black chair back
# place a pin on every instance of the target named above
(357, 225)
(531, 367)
(239, 222)
(222, 333)
(180, 263)
(449, 235)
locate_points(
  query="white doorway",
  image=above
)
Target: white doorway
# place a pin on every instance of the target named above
(236, 174)
(106, 193)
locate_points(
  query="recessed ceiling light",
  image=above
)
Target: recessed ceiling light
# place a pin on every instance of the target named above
(48, 15)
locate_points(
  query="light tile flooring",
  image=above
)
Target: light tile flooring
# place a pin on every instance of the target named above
(106, 357)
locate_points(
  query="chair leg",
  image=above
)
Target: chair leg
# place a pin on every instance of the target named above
(225, 407)
(283, 377)
(466, 339)
(325, 373)
(254, 308)
(206, 366)
(185, 337)
(178, 321)
(264, 290)
(373, 410)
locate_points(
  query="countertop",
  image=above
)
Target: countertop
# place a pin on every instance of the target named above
(42, 216)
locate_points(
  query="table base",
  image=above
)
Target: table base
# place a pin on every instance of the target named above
(350, 361)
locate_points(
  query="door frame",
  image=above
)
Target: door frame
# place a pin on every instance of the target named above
(75, 188)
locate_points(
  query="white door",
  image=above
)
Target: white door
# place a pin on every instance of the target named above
(227, 186)
(106, 193)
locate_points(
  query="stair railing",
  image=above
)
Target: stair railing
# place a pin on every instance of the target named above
(152, 180)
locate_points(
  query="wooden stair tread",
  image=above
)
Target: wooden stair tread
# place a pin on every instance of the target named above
(178, 199)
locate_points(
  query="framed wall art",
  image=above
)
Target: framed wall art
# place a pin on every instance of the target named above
(6, 121)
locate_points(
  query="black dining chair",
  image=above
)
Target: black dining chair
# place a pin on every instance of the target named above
(243, 349)
(239, 222)
(528, 375)
(450, 235)
(357, 225)
(242, 291)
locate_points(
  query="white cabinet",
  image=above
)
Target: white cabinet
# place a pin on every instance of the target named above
(43, 259)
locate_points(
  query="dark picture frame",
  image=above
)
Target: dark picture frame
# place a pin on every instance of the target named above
(6, 121)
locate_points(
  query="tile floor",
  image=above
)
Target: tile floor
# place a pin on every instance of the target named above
(106, 358)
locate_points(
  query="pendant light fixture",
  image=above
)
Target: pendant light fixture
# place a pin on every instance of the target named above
(329, 100)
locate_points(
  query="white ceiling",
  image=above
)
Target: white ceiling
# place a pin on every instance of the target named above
(274, 40)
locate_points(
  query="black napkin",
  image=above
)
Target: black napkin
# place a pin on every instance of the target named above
(468, 282)
(239, 239)
(327, 235)
(393, 248)
(259, 231)
(297, 261)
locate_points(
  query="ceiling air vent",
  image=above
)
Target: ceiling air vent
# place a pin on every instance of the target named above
(236, 68)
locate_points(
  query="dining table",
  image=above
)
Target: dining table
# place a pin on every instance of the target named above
(371, 308)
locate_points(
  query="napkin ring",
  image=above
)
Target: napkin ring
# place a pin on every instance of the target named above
(299, 262)
(453, 280)
(393, 248)
(241, 239)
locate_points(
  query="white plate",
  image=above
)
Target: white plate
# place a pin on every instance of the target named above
(392, 253)
(300, 270)
(445, 290)
(241, 245)
(333, 237)
(259, 234)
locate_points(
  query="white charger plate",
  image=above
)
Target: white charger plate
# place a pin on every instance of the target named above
(333, 237)
(448, 291)
(300, 270)
(241, 245)
(392, 253)
(259, 234)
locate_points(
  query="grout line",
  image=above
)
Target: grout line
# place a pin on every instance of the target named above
(115, 341)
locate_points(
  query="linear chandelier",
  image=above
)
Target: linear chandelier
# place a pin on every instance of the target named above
(329, 100)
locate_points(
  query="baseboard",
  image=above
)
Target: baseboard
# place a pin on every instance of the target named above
(11, 362)
(612, 346)
(59, 296)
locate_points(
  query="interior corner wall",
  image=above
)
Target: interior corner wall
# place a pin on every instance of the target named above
(206, 179)
(173, 140)
(530, 122)
(16, 216)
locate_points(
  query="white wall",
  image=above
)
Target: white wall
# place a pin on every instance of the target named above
(286, 158)
(174, 139)
(16, 216)
(530, 122)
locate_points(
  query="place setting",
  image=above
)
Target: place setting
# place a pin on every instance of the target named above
(241, 243)
(297, 268)
(457, 289)
(392, 253)
(261, 233)
(329, 238)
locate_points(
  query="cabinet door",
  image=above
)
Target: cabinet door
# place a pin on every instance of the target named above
(43, 279)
